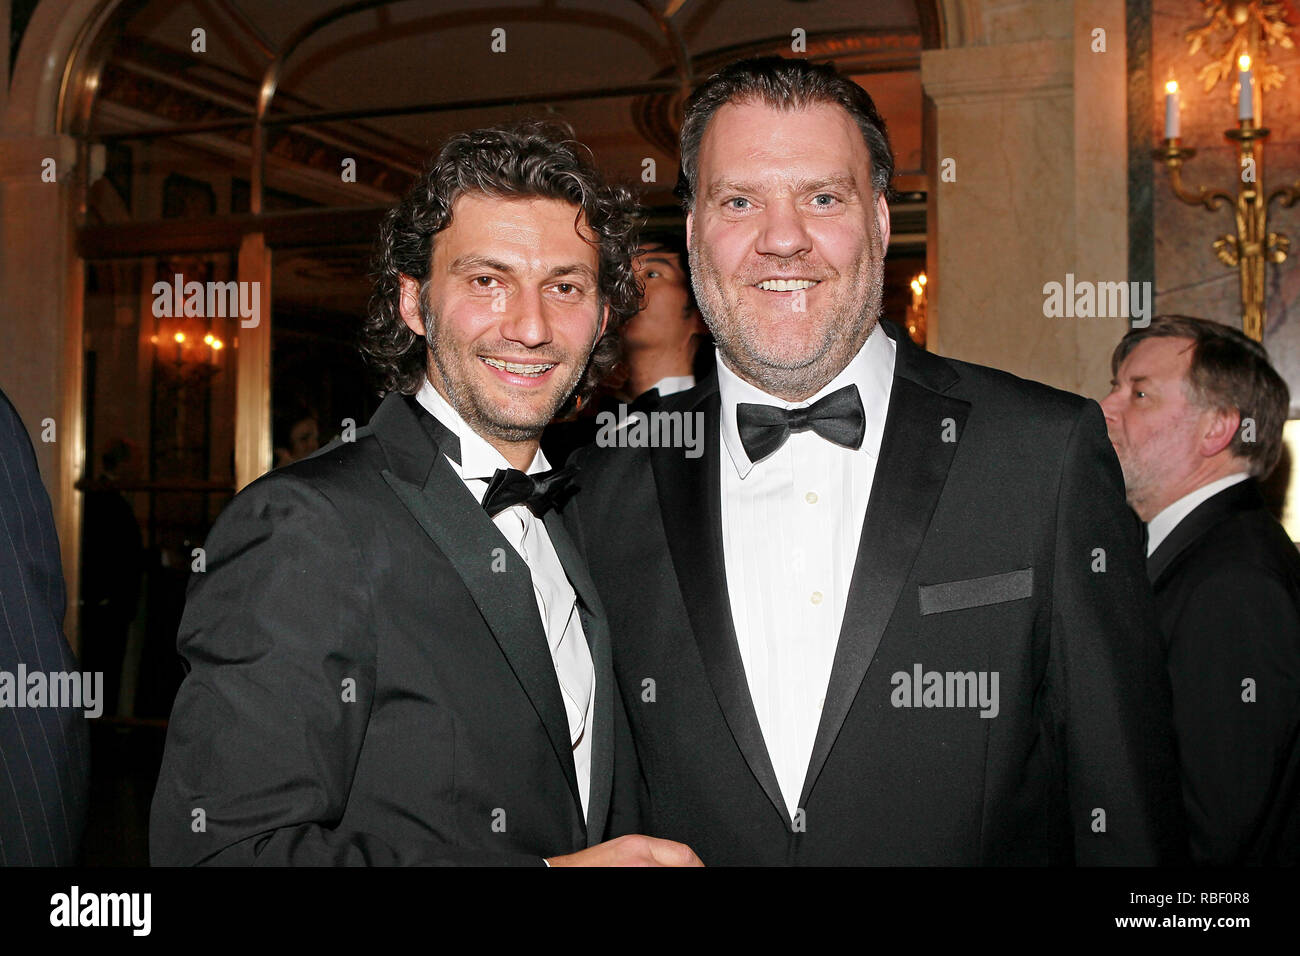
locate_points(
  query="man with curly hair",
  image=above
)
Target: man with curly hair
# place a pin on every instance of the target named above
(395, 654)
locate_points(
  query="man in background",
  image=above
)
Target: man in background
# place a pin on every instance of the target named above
(661, 342)
(661, 346)
(1195, 414)
(297, 434)
(112, 566)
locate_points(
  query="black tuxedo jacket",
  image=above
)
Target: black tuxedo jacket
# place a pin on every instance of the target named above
(996, 539)
(369, 681)
(1227, 586)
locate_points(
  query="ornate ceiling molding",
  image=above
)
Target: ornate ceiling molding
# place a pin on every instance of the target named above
(658, 117)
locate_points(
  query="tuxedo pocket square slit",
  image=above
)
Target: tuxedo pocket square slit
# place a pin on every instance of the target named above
(976, 592)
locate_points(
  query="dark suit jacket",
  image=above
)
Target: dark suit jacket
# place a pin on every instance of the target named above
(1227, 585)
(44, 751)
(995, 506)
(370, 567)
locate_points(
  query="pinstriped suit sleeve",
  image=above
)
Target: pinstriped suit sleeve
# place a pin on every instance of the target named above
(44, 752)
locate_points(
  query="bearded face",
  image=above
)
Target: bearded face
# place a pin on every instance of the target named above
(787, 243)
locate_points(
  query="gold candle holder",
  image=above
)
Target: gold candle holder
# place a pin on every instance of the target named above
(1253, 246)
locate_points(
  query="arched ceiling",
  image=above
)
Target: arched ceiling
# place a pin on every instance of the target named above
(438, 54)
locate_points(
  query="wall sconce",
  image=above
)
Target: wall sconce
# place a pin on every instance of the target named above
(185, 349)
(1248, 251)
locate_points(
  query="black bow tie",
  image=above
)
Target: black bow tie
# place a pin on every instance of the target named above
(838, 417)
(509, 486)
(539, 493)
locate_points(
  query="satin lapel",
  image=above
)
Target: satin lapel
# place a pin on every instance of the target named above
(910, 474)
(596, 628)
(690, 502)
(435, 496)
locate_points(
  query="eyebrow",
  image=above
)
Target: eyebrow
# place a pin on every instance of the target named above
(841, 181)
(576, 268)
(663, 260)
(473, 263)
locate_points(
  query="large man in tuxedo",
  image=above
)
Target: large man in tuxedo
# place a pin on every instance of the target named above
(895, 613)
(1196, 416)
(395, 653)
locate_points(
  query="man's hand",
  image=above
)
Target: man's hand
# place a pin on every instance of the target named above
(631, 850)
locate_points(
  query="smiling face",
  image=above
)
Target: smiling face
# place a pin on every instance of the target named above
(787, 242)
(514, 312)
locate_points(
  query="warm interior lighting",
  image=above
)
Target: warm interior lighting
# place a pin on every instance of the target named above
(916, 311)
(179, 337)
(217, 345)
(208, 339)
(1243, 62)
(1171, 86)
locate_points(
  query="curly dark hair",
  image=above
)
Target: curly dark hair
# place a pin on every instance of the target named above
(522, 160)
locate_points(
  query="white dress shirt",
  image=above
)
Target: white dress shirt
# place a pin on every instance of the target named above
(674, 384)
(791, 524)
(1162, 524)
(556, 601)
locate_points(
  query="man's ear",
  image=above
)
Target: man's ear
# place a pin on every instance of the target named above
(409, 306)
(604, 322)
(1220, 428)
(882, 220)
(690, 224)
(696, 320)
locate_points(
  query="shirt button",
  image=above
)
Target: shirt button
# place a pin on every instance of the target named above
(811, 497)
(817, 597)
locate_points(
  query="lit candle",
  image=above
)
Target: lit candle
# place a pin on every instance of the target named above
(1171, 110)
(1246, 100)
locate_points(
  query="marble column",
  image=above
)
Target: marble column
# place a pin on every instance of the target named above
(42, 282)
(1031, 112)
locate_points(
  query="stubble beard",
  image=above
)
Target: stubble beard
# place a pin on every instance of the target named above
(481, 415)
(1147, 475)
(736, 330)
(1134, 492)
